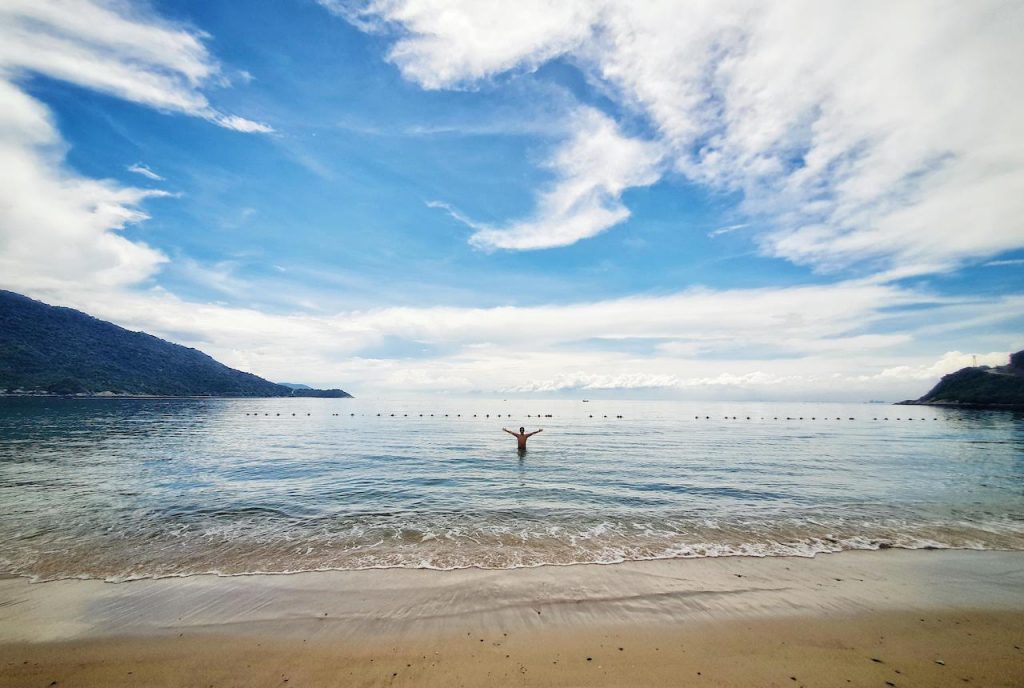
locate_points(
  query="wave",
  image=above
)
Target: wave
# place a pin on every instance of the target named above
(600, 543)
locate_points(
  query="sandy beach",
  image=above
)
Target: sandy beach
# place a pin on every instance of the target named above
(890, 618)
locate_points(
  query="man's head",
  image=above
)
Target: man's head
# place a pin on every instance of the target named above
(522, 430)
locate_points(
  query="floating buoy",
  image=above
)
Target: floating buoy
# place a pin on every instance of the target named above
(618, 416)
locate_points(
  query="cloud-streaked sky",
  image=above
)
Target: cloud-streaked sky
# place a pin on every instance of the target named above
(817, 200)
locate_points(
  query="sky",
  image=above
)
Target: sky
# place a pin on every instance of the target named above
(802, 200)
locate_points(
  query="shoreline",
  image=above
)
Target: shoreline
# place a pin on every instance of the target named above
(975, 406)
(34, 579)
(7, 395)
(749, 621)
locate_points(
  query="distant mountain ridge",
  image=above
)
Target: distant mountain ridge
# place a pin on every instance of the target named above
(980, 387)
(60, 350)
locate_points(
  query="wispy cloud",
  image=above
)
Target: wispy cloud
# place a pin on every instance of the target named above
(116, 49)
(58, 227)
(453, 213)
(771, 343)
(728, 230)
(139, 168)
(593, 169)
(1013, 261)
(837, 123)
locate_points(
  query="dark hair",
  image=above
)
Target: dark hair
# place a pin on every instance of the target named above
(522, 429)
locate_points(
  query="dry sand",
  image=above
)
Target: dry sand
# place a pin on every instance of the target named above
(897, 618)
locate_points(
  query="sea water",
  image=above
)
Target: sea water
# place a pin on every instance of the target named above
(118, 489)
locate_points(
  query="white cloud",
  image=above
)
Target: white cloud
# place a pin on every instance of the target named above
(139, 168)
(453, 44)
(870, 134)
(728, 229)
(761, 343)
(998, 263)
(593, 168)
(114, 48)
(241, 124)
(58, 227)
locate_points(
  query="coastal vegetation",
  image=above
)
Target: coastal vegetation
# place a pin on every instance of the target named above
(49, 349)
(980, 386)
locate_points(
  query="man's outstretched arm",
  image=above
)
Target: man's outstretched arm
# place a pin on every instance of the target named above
(531, 434)
(508, 431)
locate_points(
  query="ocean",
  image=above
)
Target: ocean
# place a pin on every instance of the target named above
(119, 489)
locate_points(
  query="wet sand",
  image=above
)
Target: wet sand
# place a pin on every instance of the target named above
(921, 618)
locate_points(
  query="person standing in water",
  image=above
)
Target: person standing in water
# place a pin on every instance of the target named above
(522, 436)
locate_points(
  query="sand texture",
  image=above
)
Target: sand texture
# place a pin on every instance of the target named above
(897, 618)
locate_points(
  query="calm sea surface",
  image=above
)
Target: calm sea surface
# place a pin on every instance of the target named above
(120, 489)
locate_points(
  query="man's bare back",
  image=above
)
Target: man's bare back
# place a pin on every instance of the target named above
(522, 436)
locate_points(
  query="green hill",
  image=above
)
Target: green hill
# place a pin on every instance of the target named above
(981, 386)
(64, 351)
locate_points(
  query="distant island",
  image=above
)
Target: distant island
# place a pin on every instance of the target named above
(53, 350)
(999, 387)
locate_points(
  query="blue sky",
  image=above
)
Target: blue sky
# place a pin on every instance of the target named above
(431, 196)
